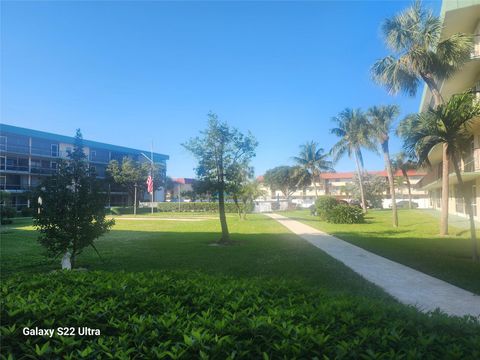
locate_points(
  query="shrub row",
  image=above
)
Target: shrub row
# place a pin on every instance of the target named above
(123, 210)
(194, 316)
(331, 210)
(211, 207)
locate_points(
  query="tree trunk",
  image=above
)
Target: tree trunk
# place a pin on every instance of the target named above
(438, 100)
(360, 180)
(445, 189)
(239, 210)
(314, 183)
(388, 166)
(225, 239)
(409, 187)
(468, 208)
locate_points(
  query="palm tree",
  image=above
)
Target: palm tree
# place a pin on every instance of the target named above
(314, 160)
(403, 163)
(381, 121)
(419, 55)
(353, 131)
(448, 125)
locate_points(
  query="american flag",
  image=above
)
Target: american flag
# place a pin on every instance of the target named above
(150, 184)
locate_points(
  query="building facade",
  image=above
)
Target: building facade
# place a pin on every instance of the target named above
(27, 156)
(336, 184)
(458, 16)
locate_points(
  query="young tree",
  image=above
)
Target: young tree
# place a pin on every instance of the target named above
(287, 179)
(354, 133)
(242, 174)
(220, 150)
(381, 121)
(132, 175)
(448, 124)
(374, 188)
(314, 160)
(403, 163)
(70, 214)
(419, 54)
(246, 196)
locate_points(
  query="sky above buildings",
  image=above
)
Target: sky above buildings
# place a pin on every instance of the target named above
(128, 73)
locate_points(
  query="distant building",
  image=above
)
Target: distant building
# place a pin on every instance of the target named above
(180, 185)
(27, 156)
(336, 184)
(458, 16)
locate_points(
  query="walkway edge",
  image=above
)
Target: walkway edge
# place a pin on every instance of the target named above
(409, 286)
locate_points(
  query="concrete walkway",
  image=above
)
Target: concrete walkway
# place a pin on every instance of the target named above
(407, 285)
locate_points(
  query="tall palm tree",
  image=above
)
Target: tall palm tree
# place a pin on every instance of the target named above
(419, 54)
(314, 160)
(403, 163)
(353, 131)
(448, 125)
(381, 122)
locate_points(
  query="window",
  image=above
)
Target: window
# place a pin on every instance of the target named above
(93, 154)
(53, 165)
(3, 163)
(3, 143)
(54, 150)
(3, 182)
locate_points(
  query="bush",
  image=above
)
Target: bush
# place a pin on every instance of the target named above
(324, 204)
(26, 212)
(345, 214)
(211, 207)
(125, 210)
(7, 212)
(191, 316)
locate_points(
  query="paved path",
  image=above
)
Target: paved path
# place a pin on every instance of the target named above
(409, 286)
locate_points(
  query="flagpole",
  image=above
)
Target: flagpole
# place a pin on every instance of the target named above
(151, 170)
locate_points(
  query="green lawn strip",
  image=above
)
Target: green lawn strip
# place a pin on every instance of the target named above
(262, 248)
(414, 243)
(188, 315)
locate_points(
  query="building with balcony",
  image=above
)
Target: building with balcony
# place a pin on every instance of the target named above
(337, 184)
(27, 156)
(458, 16)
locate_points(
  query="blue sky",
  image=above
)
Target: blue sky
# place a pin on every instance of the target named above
(130, 72)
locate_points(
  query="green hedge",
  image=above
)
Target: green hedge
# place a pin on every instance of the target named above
(197, 207)
(345, 214)
(194, 316)
(123, 210)
(324, 204)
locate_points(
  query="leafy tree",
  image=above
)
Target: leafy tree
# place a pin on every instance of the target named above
(287, 179)
(133, 174)
(220, 150)
(448, 124)
(169, 187)
(314, 160)
(242, 174)
(354, 133)
(374, 188)
(420, 54)
(71, 215)
(246, 196)
(403, 163)
(381, 120)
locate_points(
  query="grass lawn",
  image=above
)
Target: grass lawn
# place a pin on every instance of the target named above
(162, 291)
(414, 243)
(264, 248)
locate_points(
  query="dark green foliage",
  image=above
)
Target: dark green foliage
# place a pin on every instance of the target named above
(287, 179)
(71, 215)
(211, 207)
(26, 212)
(324, 204)
(345, 214)
(7, 212)
(124, 210)
(194, 316)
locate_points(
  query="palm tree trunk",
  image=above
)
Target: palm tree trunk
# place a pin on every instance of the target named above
(388, 165)
(468, 208)
(360, 180)
(409, 187)
(314, 184)
(445, 185)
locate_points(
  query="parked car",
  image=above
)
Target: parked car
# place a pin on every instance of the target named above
(403, 204)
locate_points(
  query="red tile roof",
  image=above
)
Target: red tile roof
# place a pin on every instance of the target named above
(351, 174)
(183, 180)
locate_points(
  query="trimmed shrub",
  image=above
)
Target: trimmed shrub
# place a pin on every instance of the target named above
(345, 214)
(7, 212)
(324, 204)
(211, 207)
(128, 210)
(176, 315)
(26, 212)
